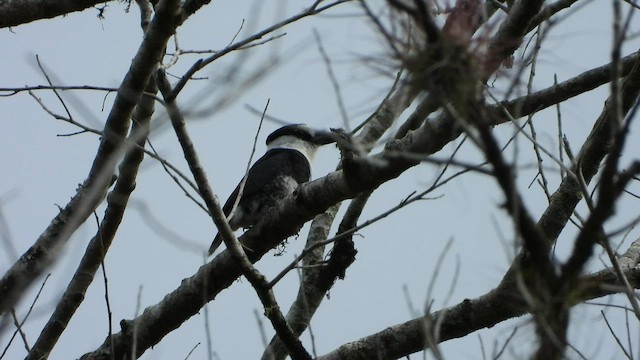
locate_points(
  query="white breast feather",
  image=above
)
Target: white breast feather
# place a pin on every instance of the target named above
(291, 142)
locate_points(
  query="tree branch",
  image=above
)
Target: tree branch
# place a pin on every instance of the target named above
(99, 245)
(90, 194)
(317, 281)
(471, 315)
(510, 34)
(313, 10)
(18, 12)
(257, 280)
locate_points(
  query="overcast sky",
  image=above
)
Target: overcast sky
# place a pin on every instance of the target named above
(42, 170)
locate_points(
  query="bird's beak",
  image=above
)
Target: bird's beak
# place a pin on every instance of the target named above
(322, 137)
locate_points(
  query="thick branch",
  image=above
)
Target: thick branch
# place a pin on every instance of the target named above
(18, 12)
(465, 318)
(309, 297)
(596, 147)
(100, 243)
(510, 34)
(567, 89)
(317, 281)
(311, 199)
(611, 184)
(482, 312)
(43, 252)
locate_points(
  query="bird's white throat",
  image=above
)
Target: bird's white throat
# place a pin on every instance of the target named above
(294, 143)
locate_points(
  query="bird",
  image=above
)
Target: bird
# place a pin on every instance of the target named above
(285, 165)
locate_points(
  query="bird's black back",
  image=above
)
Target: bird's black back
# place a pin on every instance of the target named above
(265, 175)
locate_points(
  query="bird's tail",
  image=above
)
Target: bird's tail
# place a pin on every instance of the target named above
(214, 245)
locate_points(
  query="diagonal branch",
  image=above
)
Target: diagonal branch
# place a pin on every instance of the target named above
(317, 281)
(257, 280)
(471, 315)
(311, 199)
(596, 147)
(612, 184)
(18, 12)
(100, 243)
(312, 10)
(510, 34)
(90, 194)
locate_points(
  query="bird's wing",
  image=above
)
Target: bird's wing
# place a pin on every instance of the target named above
(280, 160)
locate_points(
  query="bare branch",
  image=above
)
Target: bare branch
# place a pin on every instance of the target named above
(510, 34)
(90, 194)
(312, 10)
(21, 323)
(97, 248)
(18, 12)
(257, 280)
(466, 317)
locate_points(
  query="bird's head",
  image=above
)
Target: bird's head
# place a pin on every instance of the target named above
(300, 137)
(301, 132)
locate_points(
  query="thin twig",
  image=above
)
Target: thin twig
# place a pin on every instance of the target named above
(410, 199)
(63, 118)
(333, 79)
(506, 343)
(534, 62)
(615, 337)
(106, 286)
(312, 10)
(19, 326)
(246, 171)
(432, 331)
